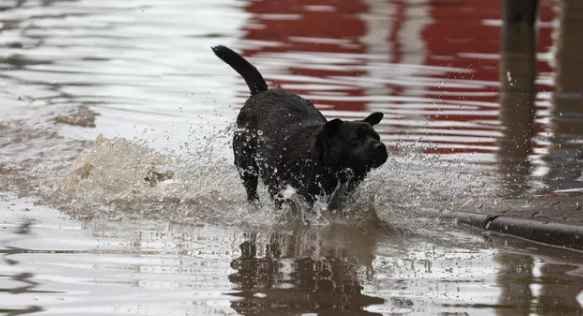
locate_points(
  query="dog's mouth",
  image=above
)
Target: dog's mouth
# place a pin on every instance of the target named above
(375, 163)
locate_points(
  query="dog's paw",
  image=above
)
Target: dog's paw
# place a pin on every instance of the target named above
(255, 205)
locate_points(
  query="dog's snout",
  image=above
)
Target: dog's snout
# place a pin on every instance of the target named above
(379, 149)
(379, 154)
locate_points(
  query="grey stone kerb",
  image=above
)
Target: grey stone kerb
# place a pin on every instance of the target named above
(549, 231)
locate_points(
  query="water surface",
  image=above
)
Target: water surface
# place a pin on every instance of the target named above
(61, 267)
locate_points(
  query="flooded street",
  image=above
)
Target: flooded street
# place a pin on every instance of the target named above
(118, 193)
(64, 267)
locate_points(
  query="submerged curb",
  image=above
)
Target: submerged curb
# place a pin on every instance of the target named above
(548, 231)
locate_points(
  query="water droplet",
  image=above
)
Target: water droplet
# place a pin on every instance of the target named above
(509, 77)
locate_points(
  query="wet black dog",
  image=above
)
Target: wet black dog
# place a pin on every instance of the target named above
(284, 140)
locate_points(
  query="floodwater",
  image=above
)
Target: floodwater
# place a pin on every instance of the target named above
(96, 96)
(58, 266)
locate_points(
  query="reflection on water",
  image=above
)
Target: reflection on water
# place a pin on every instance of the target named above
(431, 67)
(518, 90)
(305, 271)
(21, 282)
(565, 155)
(515, 278)
(451, 79)
(141, 267)
(455, 84)
(537, 280)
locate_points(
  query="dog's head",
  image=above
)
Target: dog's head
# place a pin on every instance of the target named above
(350, 144)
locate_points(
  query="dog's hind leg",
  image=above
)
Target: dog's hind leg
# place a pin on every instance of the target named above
(245, 152)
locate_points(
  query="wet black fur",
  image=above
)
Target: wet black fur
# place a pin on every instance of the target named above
(284, 140)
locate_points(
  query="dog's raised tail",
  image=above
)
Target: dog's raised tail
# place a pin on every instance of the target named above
(251, 75)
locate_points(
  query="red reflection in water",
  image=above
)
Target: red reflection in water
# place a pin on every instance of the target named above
(454, 44)
(460, 34)
(327, 19)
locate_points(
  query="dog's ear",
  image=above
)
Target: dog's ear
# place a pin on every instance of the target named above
(374, 118)
(319, 145)
(332, 126)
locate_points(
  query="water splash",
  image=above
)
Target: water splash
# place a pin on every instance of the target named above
(112, 177)
(509, 78)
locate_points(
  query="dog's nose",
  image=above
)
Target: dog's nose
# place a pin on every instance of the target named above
(379, 146)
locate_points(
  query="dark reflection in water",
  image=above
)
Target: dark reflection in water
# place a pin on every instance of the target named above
(26, 278)
(565, 157)
(537, 280)
(517, 101)
(305, 272)
(515, 278)
(559, 291)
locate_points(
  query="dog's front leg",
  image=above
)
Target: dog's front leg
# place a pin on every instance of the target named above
(339, 198)
(244, 151)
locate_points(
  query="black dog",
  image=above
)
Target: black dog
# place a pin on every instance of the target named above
(286, 141)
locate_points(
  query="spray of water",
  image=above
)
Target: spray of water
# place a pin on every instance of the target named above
(119, 177)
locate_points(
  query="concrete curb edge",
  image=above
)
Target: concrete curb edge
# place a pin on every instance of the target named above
(542, 230)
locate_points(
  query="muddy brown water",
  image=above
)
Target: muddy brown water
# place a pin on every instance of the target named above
(54, 265)
(97, 96)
